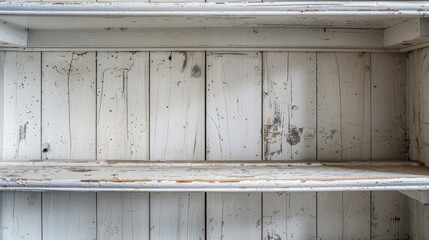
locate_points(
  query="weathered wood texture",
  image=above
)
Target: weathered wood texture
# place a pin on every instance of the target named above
(338, 105)
(177, 98)
(20, 74)
(343, 99)
(418, 118)
(388, 140)
(122, 133)
(68, 132)
(234, 109)
(289, 133)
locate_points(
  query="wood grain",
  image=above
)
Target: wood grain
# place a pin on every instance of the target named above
(122, 132)
(177, 97)
(68, 132)
(234, 133)
(343, 133)
(289, 118)
(388, 140)
(21, 88)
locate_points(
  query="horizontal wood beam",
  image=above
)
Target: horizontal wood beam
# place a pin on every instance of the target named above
(209, 38)
(409, 33)
(11, 35)
(421, 196)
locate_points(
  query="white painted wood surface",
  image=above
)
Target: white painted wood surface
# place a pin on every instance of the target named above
(417, 113)
(20, 78)
(388, 139)
(177, 97)
(234, 108)
(68, 132)
(343, 133)
(213, 37)
(289, 133)
(122, 133)
(11, 35)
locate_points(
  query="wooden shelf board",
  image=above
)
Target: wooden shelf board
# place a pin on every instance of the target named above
(209, 176)
(86, 16)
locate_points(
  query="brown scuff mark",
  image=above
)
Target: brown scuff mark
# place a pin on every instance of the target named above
(69, 100)
(271, 131)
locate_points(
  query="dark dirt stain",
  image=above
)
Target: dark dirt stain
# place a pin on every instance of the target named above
(294, 136)
(185, 61)
(196, 72)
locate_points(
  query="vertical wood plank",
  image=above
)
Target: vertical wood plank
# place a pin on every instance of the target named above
(388, 90)
(177, 98)
(289, 117)
(422, 126)
(122, 123)
(68, 132)
(233, 132)
(21, 71)
(343, 133)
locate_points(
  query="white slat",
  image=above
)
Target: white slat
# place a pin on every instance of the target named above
(122, 124)
(21, 211)
(234, 133)
(343, 133)
(388, 90)
(177, 93)
(289, 132)
(68, 132)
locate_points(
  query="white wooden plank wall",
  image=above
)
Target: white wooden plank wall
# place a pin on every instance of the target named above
(21, 85)
(122, 133)
(388, 140)
(177, 132)
(234, 113)
(418, 115)
(289, 133)
(343, 99)
(68, 132)
(271, 106)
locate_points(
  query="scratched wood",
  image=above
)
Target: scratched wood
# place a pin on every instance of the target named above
(388, 140)
(21, 87)
(417, 114)
(122, 133)
(343, 133)
(289, 118)
(234, 133)
(68, 132)
(177, 98)
(418, 131)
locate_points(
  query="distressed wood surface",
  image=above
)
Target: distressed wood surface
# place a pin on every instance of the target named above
(343, 133)
(233, 131)
(417, 113)
(122, 132)
(68, 132)
(388, 139)
(289, 133)
(177, 97)
(21, 87)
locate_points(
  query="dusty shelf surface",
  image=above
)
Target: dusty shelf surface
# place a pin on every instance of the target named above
(63, 16)
(213, 176)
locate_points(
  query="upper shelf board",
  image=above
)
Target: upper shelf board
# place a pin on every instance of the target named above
(87, 16)
(211, 176)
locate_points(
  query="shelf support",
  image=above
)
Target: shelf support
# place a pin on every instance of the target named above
(409, 33)
(11, 35)
(421, 196)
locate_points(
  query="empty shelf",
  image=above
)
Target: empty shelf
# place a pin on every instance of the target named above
(210, 176)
